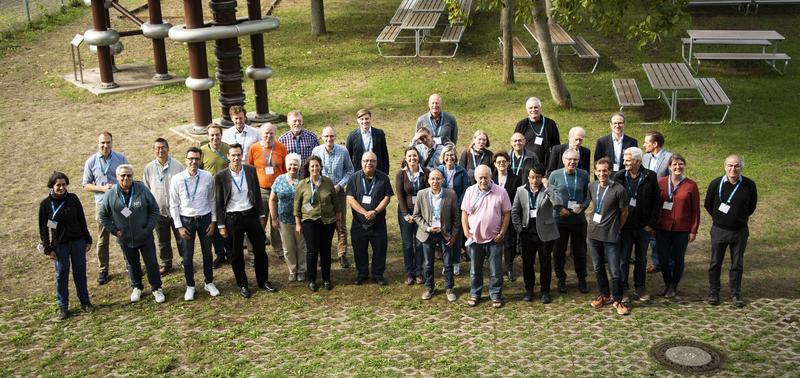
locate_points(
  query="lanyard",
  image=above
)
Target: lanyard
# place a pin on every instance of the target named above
(160, 171)
(364, 185)
(415, 184)
(503, 184)
(367, 147)
(244, 137)
(296, 145)
(479, 197)
(533, 198)
(598, 201)
(240, 184)
(313, 190)
(329, 164)
(435, 126)
(271, 150)
(670, 191)
(514, 167)
(219, 154)
(56, 209)
(541, 129)
(475, 163)
(566, 183)
(633, 192)
(104, 169)
(130, 199)
(186, 185)
(437, 210)
(730, 197)
(448, 177)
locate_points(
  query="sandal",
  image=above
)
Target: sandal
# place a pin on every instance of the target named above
(496, 303)
(472, 302)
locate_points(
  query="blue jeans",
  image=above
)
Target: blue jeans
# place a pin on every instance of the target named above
(634, 241)
(148, 253)
(654, 253)
(198, 226)
(412, 248)
(72, 252)
(478, 253)
(602, 251)
(671, 252)
(428, 250)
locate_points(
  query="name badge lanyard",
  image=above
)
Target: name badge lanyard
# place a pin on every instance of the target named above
(474, 162)
(478, 198)
(220, 154)
(130, 199)
(574, 194)
(240, 184)
(56, 209)
(186, 185)
(368, 146)
(313, 189)
(159, 171)
(541, 128)
(634, 193)
(364, 186)
(416, 183)
(730, 197)
(448, 177)
(514, 167)
(328, 164)
(435, 126)
(598, 201)
(503, 184)
(670, 190)
(244, 137)
(271, 150)
(533, 198)
(436, 210)
(104, 169)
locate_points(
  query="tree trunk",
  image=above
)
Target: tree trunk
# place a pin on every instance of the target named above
(318, 18)
(549, 8)
(558, 89)
(506, 22)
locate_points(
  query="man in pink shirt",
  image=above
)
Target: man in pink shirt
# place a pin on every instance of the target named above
(485, 214)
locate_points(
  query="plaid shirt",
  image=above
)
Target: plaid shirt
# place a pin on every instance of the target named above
(302, 144)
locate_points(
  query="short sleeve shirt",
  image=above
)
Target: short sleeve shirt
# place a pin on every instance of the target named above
(610, 199)
(376, 189)
(485, 212)
(101, 171)
(285, 193)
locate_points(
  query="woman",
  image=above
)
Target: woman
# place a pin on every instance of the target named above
(477, 154)
(677, 223)
(410, 179)
(315, 212)
(281, 211)
(510, 182)
(455, 177)
(65, 240)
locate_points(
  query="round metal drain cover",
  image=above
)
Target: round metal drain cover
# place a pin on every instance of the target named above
(686, 356)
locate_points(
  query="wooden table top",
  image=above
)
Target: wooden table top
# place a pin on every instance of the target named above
(770, 35)
(669, 76)
(558, 36)
(420, 20)
(429, 6)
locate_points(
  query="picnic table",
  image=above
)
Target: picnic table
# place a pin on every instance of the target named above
(420, 22)
(558, 36)
(429, 6)
(736, 37)
(672, 77)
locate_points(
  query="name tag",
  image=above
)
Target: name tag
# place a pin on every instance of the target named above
(596, 218)
(437, 140)
(269, 170)
(413, 199)
(53, 224)
(667, 206)
(436, 223)
(632, 202)
(573, 205)
(366, 200)
(538, 141)
(724, 208)
(533, 212)
(102, 180)
(308, 207)
(616, 167)
(126, 212)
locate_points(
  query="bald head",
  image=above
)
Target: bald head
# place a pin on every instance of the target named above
(268, 131)
(369, 161)
(328, 136)
(576, 136)
(483, 175)
(733, 167)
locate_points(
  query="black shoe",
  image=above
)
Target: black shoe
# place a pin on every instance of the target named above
(562, 286)
(546, 297)
(87, 307)
(327, 285)
(343, 262)
(511, 276)
(583, 287)
(380, 281)
(102, 278)
(465, 256)
(713, 299)
(219, 261)
(267, 242)
(63, 313)
(737, 300)
(252, 263)
(528, 296)
(244, 292)
(267, 286)
(313, 286)
(360, 280)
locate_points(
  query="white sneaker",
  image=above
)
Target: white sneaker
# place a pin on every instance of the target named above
(451, 296)
(136, 294)
(211, 289)
(189, 296)
(159, 294)
(456, 269)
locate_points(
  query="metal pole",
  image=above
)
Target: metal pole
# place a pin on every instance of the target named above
(27, 9)
(257, 53)
(159, 51)
(229, 54)
(104, 58)
(198, 66)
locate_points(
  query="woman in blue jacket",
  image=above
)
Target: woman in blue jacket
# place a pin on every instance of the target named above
(456, 178)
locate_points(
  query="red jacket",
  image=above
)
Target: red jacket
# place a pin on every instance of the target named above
(685, 213)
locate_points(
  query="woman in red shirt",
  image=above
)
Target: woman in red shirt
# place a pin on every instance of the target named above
(677, 223)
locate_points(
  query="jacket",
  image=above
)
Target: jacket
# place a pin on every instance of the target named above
(138, 227)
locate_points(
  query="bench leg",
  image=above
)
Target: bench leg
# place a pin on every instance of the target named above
(380, 52)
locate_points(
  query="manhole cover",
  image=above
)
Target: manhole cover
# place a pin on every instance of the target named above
(686, 356)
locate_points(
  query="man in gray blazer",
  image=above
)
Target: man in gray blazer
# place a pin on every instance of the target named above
(655, 159)
(532, 216)
(436, 214)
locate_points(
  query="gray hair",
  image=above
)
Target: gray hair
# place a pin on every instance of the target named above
(534, 99)
(734, 156)
(292, 157)
(575, 130)
(122, 167)
(634, 152)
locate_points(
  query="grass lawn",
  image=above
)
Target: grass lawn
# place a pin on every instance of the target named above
(49, 125)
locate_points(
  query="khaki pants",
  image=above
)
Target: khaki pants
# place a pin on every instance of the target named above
(294, 249)
(274, 235)
(341, 224)
(102, 241)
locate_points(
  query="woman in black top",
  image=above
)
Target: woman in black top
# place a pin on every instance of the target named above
(503, 177)
(410, 179)
(477, 154)
(65, 240)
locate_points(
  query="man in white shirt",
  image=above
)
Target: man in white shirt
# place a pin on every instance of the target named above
(157, 177)
(612, 145)
(241, 133)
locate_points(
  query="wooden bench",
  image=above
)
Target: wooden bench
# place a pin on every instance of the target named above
(713, 94)
(737, 42)
(770, 58)
(390, 34)
(518, 50)
(402, 11)
(627, 93)
(586, 51)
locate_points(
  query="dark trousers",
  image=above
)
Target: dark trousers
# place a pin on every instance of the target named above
(721, 239)
(362, 238)
(577, 234)
(634, 241)
(197, 226)
(412, 248)
(220, 245)
(671, 253)
(602, 252)
(510, 249)
(73, 253)
(164, 232)
(239, 224)
(531, 245)
(318, 237)
(428, 248)
(148, 254)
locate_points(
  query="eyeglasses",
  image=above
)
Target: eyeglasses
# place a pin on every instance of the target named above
(501, 162)
(125, 175)
(192, 158)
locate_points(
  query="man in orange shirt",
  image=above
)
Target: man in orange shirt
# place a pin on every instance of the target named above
(268, 158)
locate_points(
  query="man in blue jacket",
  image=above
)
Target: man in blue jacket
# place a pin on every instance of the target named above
(130, 212)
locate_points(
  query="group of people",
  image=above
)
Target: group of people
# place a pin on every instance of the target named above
(246, 189)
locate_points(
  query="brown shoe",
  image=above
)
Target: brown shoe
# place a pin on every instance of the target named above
(600, 301)
(652, 269)
(164, 270)
(420, 280)
(622, 309)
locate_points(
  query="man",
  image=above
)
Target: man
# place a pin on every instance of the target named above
(241, 132)
(192, 207)
(368, 194)
(657, 160)
(607, 219)
(485, 214)
(436, 214)
(443, 125)
(572, 186)
(367, 138)
(521, 160)
(298, 139)
(644, 197)
(215, 159)
(267, 156)
(730, 200)
(336, 165)
(157, 178)
(98, 177)
(612, 145)
(130, 212)
(429, 151)
(240, 211)
(576, 136)
(541, 133)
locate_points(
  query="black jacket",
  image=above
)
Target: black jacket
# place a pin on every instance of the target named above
(222, 186)
(648, 198)
(355, 147)
(71, 222)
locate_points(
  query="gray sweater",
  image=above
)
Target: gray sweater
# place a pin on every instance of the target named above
(138, 226)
